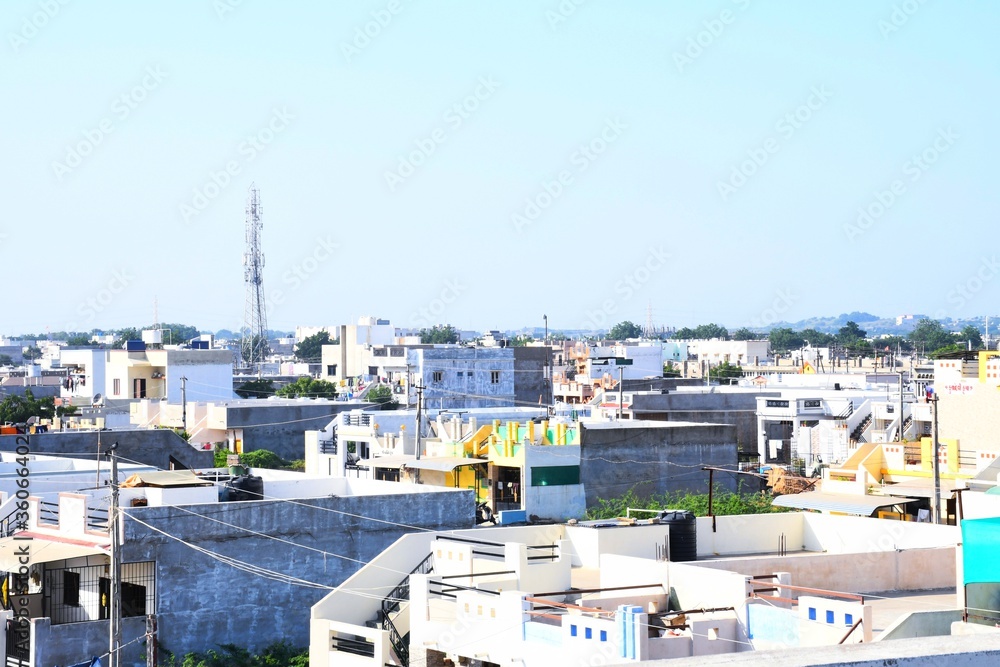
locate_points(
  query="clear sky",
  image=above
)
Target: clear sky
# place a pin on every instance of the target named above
(487, 163)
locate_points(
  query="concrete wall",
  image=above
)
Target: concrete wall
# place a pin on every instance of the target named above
(72, 643)
(281, 428)
(203, 602)
(153, 447)
(530, 382)
(657, 459)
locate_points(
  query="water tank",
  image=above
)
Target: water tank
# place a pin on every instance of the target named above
(248, 487)
(683, 534)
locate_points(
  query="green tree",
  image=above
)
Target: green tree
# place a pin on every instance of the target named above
(251, 343)
(19, 409)
(744, 333)
(311, 347)
(784, 339)
(725, 372)
(382, 394)
(308, 387)
(929, 335)
(851, 334)
(176, 334)
(259, 388)
(970, 335)
(521, 340)
(5, 360)
(625, 330)
(817, 338)
(80, 340)
(31, 353)
(724, 503)
(709, 331)
(670, 370)
(122, 335)
(439, 335)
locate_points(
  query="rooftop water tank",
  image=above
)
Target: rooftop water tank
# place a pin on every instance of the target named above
(683, 534)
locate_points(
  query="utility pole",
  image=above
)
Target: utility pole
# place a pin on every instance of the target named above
(621, 390)
(184, 404)
(936, 462)
(416, 433)
(899, 436)
(116, 564)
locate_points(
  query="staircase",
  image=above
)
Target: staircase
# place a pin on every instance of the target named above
(907, 423)
(858, 434)
(393, 608)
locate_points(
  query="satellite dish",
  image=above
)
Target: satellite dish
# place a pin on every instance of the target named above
(32, 420)
(97, 398)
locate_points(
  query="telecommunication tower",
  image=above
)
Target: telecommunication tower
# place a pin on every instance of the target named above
(253, 335)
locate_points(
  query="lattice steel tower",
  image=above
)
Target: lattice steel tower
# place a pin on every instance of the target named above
(253, 343)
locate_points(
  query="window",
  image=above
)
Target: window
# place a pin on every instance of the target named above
(117, 390)
(395, 352)
(848, 619)
(139, 388)
(495, 377)
(555, 475)
(379, 352)
(812, 613)
(777, 404)
(811, 404)
(829, 616)
(604, 635)
(436, 376)
(331, 369)
(373, 370)
(588, 633)
(71, 588)
(572, 630)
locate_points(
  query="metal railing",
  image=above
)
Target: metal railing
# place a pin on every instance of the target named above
(328, 446)
(9, 524)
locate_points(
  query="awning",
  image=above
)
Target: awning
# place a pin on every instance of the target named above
(394, 461)
(166, 478)
(45, 549)
(443, 463)
(838, 502)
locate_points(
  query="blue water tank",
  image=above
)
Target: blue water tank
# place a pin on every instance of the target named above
(135, 345)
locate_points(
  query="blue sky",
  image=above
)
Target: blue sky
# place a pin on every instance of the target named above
(485, 163)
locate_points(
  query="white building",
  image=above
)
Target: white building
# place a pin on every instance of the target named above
(159, 373)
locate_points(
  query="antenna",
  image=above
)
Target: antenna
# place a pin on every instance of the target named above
(253, 335)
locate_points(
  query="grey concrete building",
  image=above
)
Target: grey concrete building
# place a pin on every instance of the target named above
(653, 457)
(161, 448)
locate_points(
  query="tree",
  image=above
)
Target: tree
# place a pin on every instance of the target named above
(439, 335)
(851, 334)
(521, 340)
(725, 372)
(784, 339)
(929, 335)
(670, 370)
(308, 387)
(31, 353)
(702, 332)
(80, 340)
(745, 334)
(970, 335)
(311, 347)
(817, 338)
(625, 330)
(19, 409)
(258, 388)
(382, 394)
(5, 360)
(122, 335)
(255, 342)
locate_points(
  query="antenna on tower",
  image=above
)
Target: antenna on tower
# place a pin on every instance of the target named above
(650, 330)
(253, 335)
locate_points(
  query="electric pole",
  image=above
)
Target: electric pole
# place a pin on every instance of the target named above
(416, 433)
(934, 454)
(621, 390)
(184, 404)
(116, 564)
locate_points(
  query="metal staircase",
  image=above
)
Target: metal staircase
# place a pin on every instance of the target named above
(392, 605)
(858, 434)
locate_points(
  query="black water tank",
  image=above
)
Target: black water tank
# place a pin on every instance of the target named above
(683, 534)
(247, 487)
